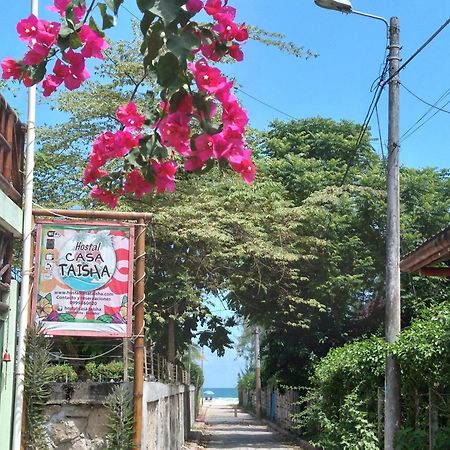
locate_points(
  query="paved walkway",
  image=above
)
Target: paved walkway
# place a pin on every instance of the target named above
(243, 432)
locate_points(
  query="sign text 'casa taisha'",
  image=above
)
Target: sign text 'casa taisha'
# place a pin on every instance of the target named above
(84, 278)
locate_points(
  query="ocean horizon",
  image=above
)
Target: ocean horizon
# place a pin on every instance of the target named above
(222, 393)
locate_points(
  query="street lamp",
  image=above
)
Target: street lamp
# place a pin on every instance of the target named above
(392, 312)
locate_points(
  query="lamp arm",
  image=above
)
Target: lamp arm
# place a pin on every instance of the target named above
(359, 13)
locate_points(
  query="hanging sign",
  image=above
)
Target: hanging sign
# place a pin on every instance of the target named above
(83, 278)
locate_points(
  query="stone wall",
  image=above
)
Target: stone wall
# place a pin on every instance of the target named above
(76, 427)
(76, 418)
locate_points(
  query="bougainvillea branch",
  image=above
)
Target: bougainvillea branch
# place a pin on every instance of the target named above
(199, 121)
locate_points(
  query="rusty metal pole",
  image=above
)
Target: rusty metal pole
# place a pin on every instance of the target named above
(138, 297)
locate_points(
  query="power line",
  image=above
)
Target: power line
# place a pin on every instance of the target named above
(265, 104)
(417, 124)
(380, 137)
(372, 106)
(433, 106)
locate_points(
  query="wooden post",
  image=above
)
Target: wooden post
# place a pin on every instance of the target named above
(432, 419)
(125, 359)
(139, 296)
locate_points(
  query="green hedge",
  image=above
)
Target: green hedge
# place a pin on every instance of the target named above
(62, 373)
(112, 371)
(343, 396)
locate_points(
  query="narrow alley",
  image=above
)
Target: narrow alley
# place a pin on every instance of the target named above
(227, 429)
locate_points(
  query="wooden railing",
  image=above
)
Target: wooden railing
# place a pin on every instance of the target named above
(12, 142)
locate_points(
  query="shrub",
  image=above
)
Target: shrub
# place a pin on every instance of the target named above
(112, 371)
(247, 381)
(120, 419)
(62, 373)
(348, 429)
(410, 439)
(36, 387)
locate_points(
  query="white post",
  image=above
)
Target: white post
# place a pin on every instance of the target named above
(26, 262)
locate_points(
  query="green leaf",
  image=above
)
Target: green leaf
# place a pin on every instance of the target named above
(93, 25)
(145, 5)
(168, 10)
(153, 43)
(39, 72)
(106, 318)
(125, 300)
(182, 45)
(167, 69)
(135, 158)
(146, 22)
(114, 5)
(65, 317)
(207, 167)
(65, 31)
(176, 99)
(108, 20)
(75, 41)
(49, 297)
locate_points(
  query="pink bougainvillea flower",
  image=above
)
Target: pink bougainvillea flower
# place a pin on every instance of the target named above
(60, 6)
(42, 44)
(229, 31)
(165, 175)
(50, 84)
(51, 27)
(213, 6)
(137, 184)
(128, 116)
(94, 44)
(230, 145)
(124, 141)
(194, 6)
(28, 28)
(27, 81)
(245, 168)
(235, 52)
(102, 149)
(210, 51)
(36, 54)
(208, 78)
(204, 150)
(77, 72)
(234, 116)
(104, 196)
(175, 132)
(215, 9)
(11, 69)
(92, 174)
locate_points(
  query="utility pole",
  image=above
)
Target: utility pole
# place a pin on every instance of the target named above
(393, 311)
(257, 374)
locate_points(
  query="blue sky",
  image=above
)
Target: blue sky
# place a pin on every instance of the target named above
(336, 84)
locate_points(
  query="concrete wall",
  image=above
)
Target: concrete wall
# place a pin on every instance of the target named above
(168, 415)
(7, 342)
(76, 418)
